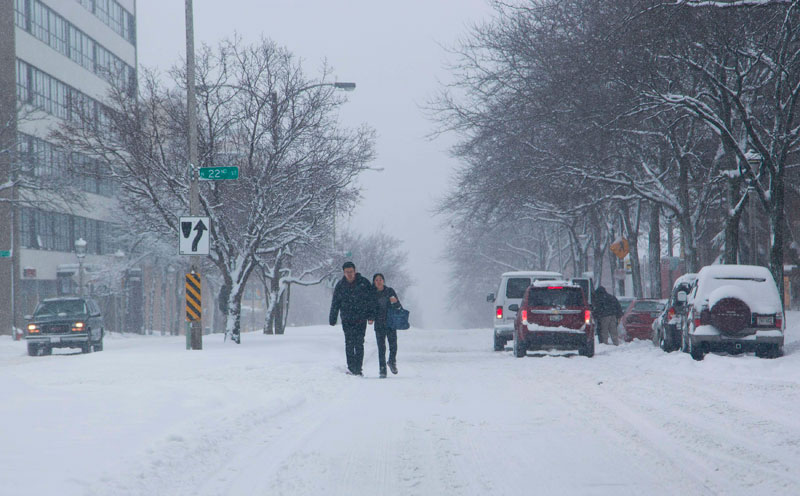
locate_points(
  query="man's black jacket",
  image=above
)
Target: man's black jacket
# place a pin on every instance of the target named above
(355, 301)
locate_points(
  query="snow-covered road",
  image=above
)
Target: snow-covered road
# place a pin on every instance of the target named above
(277, 415)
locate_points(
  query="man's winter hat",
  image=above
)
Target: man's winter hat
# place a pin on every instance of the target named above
(348, 265)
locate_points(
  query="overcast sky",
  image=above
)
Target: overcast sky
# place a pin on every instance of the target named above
(393, 51)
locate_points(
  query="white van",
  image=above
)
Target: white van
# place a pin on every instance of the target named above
(509, 297)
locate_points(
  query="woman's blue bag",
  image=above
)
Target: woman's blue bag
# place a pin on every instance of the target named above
(397, 318)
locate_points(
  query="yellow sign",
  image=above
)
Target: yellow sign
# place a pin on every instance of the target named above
(194, 300)
(620, 248)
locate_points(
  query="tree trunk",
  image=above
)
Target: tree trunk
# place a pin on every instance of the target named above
(234, 314)
(731, 250)
(654, 251)
(688, 245)
(777, 223)
(632, 230)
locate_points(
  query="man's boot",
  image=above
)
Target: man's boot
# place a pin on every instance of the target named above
(383, 372)
(393, 367)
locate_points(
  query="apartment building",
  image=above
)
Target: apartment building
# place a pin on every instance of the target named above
(57, 59)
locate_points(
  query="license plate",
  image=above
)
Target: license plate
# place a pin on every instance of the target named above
(55, 339)
(556, 318)
(763, 321)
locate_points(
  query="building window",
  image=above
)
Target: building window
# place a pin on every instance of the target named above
(23, 82)
(27, 229)
(39, 21)
(21, 14)
(114, 15)
(59, 37)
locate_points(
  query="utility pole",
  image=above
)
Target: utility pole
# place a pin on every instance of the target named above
(196, 327)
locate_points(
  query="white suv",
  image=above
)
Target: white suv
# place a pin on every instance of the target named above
(734, 308)
(509, 297)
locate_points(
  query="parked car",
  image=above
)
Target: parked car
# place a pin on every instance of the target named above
(67, 322)
(554, 315)
(512, 288)
(666, 328)
(638, 319)
(625, 302)
(734, 308)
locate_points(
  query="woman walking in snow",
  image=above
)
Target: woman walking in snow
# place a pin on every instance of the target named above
(385, 297)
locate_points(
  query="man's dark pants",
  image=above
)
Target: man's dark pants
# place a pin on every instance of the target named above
(354, 332)
(382, 335)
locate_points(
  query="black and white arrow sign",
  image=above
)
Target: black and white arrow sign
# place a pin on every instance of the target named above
(194, 235)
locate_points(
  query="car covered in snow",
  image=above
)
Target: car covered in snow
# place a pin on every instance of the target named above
(510, 293)
(554, 315)
(735, 309)
(65, 322)
(638, 319)
(666, 328)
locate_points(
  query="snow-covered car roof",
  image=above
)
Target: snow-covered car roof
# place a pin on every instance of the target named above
(752, 284)
(555, 282)
(532, 273)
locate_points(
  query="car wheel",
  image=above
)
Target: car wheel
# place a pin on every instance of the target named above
(499, 343)
(86, 347)
(98, 346)
(695, 351)
(588, 349)
(665, 340)
(684, 344)
(33, 349)
(768, 351)
(519, 350)
(46, 350)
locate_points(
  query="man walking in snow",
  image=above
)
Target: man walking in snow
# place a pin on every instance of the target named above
(353, 299)
(607, 311)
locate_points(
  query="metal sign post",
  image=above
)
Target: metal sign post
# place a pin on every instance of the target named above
(194, 309)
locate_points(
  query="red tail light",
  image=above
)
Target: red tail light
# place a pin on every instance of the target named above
(703, 319)
(525, 316)
(779, 320)
(587, 316)
(499, 312)
(555, 287)
(671, 313)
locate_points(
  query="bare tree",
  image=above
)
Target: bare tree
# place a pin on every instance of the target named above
(258, 111)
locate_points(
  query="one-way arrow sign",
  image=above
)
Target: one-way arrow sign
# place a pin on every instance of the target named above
(194, 235)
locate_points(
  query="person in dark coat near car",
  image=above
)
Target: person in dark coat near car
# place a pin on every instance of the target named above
(353, 298)
(385, 297)
(607, 311)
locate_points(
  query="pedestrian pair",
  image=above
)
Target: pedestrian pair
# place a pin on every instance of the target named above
(359, 302)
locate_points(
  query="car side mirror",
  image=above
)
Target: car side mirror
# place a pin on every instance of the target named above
(490, 297)
(681, 296)
(513, 307)
(28, 317)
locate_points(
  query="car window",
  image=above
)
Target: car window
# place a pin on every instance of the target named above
(57, 307)
(624, 304)
(648, 306)
(516, 286)
(563, 297)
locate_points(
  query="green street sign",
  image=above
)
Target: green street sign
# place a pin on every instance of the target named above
(218, 173)
(5, 253)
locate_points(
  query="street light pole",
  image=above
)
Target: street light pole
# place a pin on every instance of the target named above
(196, 327)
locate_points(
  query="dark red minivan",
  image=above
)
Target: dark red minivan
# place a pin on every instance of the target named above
(554, 315)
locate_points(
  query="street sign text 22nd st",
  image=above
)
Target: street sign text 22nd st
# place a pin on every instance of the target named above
(218, 173)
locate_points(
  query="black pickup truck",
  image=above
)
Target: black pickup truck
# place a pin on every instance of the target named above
(68, 322)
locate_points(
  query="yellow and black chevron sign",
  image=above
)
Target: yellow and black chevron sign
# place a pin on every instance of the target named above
(194, 305)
